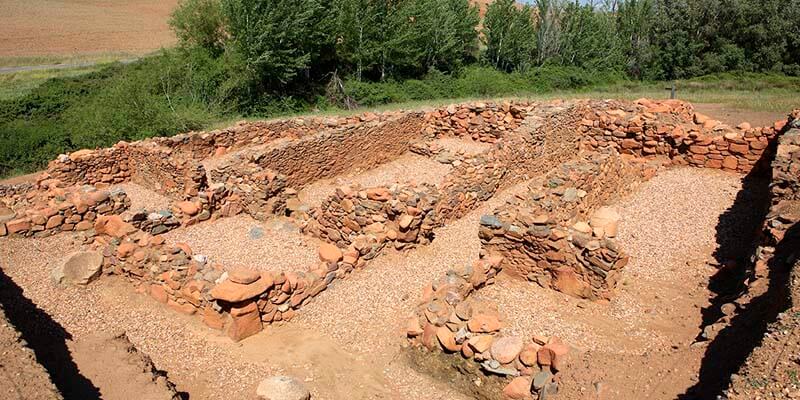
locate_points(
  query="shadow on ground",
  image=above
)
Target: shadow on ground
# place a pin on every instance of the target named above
(738, 236)
(48, 340)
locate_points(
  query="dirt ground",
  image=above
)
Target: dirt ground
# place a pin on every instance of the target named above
(84, 27)
(733, 116)
(639, 345)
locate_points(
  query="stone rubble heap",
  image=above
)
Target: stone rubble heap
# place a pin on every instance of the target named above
(59, 209)
(448, 323)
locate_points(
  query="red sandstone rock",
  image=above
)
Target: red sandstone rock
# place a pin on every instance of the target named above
(737, 148)
(480, 343)
(54, 221)
(518, 389)
(379, 194)
(188, 207)
(243, 276)
(558, 352)
(447, 339)
(185, 308)
(429, 337)
(528, 355)
(234, 292)
(567, 281)
(157, 292)
(213, 319)
(329, 253)
(18, 225)
(413, 328)
(245, 321)
(484, 323)
(506, 349)
(113, 225)
(3, 229)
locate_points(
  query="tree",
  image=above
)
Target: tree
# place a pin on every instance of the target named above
(199, 23)
(279, 43)
(509, 35)
(588, 38)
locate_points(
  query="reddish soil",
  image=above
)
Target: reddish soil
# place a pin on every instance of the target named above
(62, 28)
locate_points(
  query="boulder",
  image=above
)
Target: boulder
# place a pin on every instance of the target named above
(282, 388)
(79, 268)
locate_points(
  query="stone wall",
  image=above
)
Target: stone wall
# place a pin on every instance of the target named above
(370, 219)
(334, 152)
(671, 128)
(485, 122)
(143, 162)
(58, 209)
(248, 186)
(543, 235)
(545, 139)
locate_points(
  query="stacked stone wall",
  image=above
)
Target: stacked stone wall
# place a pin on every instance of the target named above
(671, 128)
(370, 219)
(543, 235)
(58, 209)
(331, 153)
(485, 122)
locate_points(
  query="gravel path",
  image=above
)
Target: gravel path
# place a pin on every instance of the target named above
(668, 228)
(405, 169)
(242, 241)
(365, 313)
(468, 146)
(143, 198)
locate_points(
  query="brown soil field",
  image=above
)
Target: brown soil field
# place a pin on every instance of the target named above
(83, 27)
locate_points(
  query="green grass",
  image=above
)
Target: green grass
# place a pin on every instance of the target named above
(45, 113)
(19, 84)
(96, 58)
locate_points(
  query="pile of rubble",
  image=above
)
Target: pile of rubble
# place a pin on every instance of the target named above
(448, 323)
(57, 209)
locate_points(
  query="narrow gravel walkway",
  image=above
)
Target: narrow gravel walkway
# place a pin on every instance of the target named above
(408, 168)
(143, 198)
